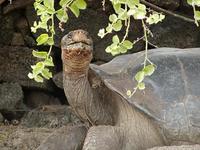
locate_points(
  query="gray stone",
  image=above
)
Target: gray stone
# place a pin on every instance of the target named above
(15, 64)
(182, 147)
(16, 4)
(58, 79)
(34, 99)
(17, 39)
(173, 32)
(66, 138)
(11, 96)
(21, 138)
(52, 116)
(6, 29)
(1, 118)
(168, 4)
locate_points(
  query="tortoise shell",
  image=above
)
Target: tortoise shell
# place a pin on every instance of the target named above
(172, 93)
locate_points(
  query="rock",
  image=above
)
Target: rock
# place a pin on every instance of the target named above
(16, 4)
(34, 99)
(58, 79)
(1, 1)
(182, 147)
(21, 138)
(6, 29)
(91, 21)
(17, 40)
(168, 4)
(173, 32)
(23, 27)
(66, 138)
(11, 96)
(1, 118)
(19, 60)
(52, 116)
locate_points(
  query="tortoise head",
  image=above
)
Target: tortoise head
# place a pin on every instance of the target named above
(77, 47)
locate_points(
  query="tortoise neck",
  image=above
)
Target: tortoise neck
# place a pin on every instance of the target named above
(75, 69)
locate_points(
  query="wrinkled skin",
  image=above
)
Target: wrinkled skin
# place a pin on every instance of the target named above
(116, 125)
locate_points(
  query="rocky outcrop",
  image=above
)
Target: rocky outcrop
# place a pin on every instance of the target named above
(173, 32)
(21, 138)
(11, 96)
(58, 79)
(15, 64)
(1, 118)
(66, 138)
(52, 116)
(36, 98)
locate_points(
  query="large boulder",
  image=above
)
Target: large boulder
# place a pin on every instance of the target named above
(66, 138)
(173, 32)
(168, 4)
(36, 98)
(21, 138)
(52, 116)
(6, 29)
(15, 64)
(11, 96)
(1, 118)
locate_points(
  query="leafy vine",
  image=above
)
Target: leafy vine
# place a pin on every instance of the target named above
(124, 11)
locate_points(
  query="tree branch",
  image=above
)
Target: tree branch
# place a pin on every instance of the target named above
(167, 11)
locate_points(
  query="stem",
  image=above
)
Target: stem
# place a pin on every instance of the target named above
(135, 89)
(194, 9)
(127, 29)
(52, 33)
(167, 11)
(146, 42)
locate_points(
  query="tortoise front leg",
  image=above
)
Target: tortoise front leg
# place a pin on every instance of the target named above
(66, 138)
(103, 138)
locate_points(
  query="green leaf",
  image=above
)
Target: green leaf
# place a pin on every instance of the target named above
(132, 3)
(127, 44)
(141, 86)
(196, 2)
(149, 70)
(115, 39)
(62, 15)
(139, 77)
(49, 4)
(108, 49)
(39, 54)
(197, 15)
(113, 18)
(140, 12)
(30, 75)
(189, 2)
(81, 4)
(46, 74)
(109, 28)
(63, 3)
(38, 78)
(117, 8)
(50, 41)
(75, 10)
(42, 39)
(49, 62)
(117, 26)
(123, 49)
